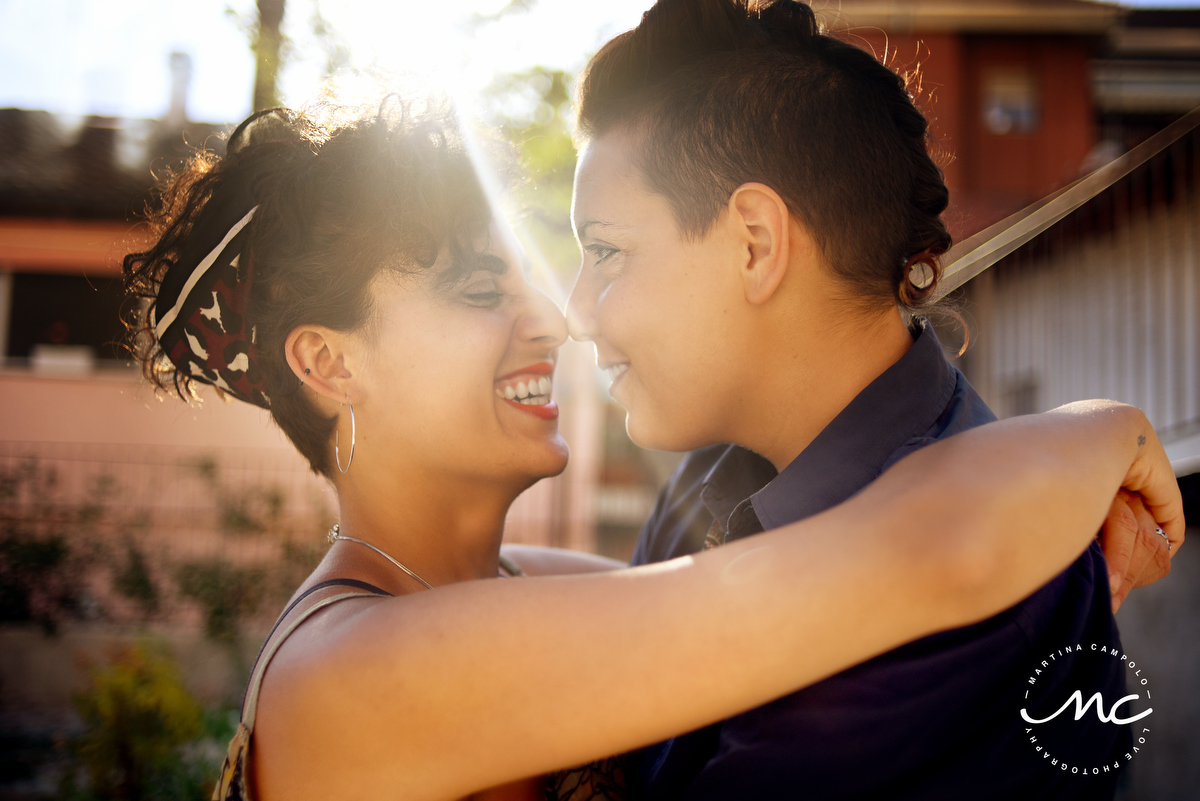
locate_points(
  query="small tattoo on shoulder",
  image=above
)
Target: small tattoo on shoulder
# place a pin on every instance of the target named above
(1141, 439)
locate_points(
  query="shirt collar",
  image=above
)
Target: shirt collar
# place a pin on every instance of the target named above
(736, 475)
(902, 403)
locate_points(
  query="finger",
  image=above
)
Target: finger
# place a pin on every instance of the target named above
(1175, 536)
(1140, 547)
(1147, 519)
(1151, 475)
(1118, 537)
(1120, 594)
(1173, 527)
(1152, 555)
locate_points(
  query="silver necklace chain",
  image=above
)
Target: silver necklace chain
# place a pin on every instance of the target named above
(335, 535)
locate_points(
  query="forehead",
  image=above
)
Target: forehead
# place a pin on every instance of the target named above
(494, 249)
(609, 188)
(502, 240)
(612, 153)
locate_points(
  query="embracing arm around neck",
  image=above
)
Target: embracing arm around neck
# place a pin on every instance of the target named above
(439, 694)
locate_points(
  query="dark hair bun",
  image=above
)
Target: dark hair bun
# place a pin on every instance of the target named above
(725, 92)
(338, 196)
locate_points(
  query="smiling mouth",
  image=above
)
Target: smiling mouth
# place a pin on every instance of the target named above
(616, 371)
(526, 389)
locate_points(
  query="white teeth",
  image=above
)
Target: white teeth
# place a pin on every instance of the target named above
(534, 391)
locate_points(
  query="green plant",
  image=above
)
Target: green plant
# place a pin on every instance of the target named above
(46, 544)
(228, 593)
(137, 715)
(241, 510)
(39, 580)
(135, 581)
(533, 111)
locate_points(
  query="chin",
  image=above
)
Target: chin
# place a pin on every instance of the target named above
(553, 459)
(660, 434)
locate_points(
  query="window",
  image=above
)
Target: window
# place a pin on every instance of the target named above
(64, 322)
(1011, 102)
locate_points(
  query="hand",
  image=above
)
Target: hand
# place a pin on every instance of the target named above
(1152, 478)
(1137, 554)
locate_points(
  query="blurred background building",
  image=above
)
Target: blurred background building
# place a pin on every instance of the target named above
(1065, 132)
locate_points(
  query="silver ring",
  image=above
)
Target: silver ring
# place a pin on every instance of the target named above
(1163, 534)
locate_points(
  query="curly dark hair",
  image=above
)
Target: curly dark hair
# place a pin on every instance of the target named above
(342, 195)
(723, 92)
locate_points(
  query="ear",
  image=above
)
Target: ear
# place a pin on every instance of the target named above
(317, 356)
(761, 221)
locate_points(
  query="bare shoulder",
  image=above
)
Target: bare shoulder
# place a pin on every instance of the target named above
(291, 719)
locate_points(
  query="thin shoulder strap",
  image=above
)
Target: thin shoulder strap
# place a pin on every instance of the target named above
(337, 582)
(272, 644)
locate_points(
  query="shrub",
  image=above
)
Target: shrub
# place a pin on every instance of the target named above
(137, 715)
(39, 580)
(227, 593)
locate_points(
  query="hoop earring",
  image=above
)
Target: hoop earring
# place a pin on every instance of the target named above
(337, 436)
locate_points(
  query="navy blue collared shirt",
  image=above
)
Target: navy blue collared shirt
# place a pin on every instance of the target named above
(938, 718)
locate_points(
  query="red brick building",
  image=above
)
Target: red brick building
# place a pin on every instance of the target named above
(1025, 96)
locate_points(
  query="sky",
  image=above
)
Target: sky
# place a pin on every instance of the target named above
(110, 57)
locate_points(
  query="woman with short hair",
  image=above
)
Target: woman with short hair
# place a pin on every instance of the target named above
(346, 273)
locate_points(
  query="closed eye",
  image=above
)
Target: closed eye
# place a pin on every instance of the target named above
(482, 288)
(599, 251)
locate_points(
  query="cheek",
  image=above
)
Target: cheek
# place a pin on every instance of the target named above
(672, 331)
(680, 350)
(440, 376)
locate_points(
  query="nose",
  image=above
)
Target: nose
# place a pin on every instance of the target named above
(542, 323)
(581, 308)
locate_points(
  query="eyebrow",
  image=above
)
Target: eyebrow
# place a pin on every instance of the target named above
(492, 263)
(582, 229)
(461, 270)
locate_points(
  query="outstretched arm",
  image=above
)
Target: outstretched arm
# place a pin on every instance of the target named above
(442, 693)
(1137, 554)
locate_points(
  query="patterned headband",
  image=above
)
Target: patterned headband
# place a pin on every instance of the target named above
(200, 316)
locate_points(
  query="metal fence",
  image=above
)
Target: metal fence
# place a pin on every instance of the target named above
(123, 533)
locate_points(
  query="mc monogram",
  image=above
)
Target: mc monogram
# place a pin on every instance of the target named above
(1081, 708)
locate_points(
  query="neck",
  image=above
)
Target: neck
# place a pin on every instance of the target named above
(811, 373)
(442, 529)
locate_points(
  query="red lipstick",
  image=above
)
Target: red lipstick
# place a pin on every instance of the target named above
(541, 368)
(546, 411)
(535, 376)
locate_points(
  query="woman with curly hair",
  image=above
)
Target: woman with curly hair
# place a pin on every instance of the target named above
(348, 275)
